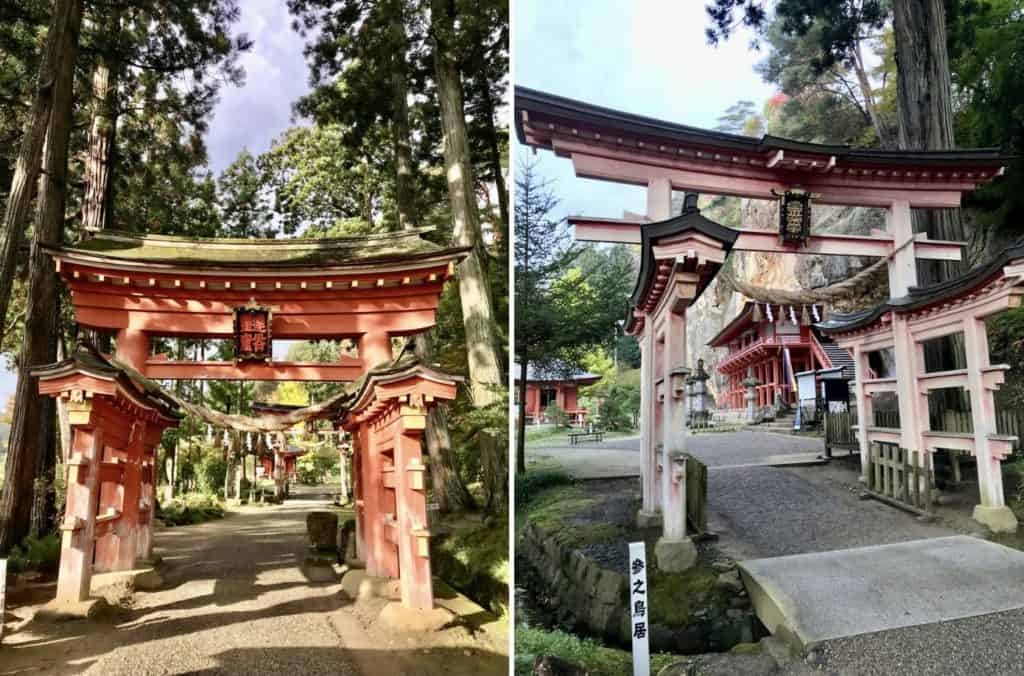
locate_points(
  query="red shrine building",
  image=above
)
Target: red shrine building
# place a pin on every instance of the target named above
(546, 387)
(278, 448)
(772, 343)
(369, 289)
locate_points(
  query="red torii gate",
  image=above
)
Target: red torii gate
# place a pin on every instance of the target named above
(369, 289)
(681, 254)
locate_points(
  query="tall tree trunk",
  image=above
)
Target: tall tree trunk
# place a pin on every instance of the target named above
(404, 197)
(493, 147)
(449, 490)
(61, 36)
(925, 109)
(32, 411)
(521, 420)
(96, 204)
(474, 288)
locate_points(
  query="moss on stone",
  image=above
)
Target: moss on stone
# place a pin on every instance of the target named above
(675, 596)
(746, 648)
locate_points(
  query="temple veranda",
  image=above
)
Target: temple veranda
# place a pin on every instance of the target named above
(682, 253)
(134, 288)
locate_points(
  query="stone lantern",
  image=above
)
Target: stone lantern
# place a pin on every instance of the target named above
(700, 400)
(750, 382)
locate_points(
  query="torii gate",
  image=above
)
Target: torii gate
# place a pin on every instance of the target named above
(136, 288)
(683, 253)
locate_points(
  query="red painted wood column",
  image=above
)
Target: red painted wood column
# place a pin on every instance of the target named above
(133, 348)
(413, 536)
(77, 529)
(374, 349)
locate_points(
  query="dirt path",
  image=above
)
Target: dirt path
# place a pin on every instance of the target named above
(236, 601)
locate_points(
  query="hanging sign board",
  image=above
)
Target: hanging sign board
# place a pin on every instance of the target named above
(253, 341)
(638, 609)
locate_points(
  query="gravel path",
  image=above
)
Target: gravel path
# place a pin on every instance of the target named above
(988, 645)
(767, 511)
(236, 601)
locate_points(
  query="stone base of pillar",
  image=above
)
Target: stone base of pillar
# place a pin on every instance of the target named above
(65, 611)
(675, 556)
(648, 519)
(997, 519)
(280, 490)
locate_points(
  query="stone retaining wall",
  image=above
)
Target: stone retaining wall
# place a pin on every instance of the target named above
(585, 596)
(589, 599)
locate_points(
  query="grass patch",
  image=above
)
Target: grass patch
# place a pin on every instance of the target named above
(190, 509)
(549, 507)
(597, 659)
(535, 480)
(35, 554)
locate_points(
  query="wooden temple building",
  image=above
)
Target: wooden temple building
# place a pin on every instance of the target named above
(551, 386)
(370, 289)
(681, 253)
(772, 343)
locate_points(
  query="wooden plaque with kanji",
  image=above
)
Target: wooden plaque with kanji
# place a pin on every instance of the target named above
(252, 334)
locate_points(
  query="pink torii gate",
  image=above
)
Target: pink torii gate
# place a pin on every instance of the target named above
(681, 254)
(137, 288)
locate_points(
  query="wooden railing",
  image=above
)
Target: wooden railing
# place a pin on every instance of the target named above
(775, 341)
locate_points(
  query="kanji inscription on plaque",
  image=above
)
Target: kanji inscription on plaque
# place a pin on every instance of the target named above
(252, 334)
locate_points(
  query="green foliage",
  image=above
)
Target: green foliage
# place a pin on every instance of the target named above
(530, 484)
(190, 509)
(556, 416)
(620, 406)
(596, 658)
(36, 554)
(211, 471)
(244, 204)
(313, 467)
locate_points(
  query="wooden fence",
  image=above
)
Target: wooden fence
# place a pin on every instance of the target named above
(900, 477)
(696, 494)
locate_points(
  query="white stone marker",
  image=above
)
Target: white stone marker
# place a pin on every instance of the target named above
(638, 609)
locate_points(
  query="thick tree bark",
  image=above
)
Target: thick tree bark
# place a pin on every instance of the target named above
(61, 35)
(97, 201)
(31, 411)
(925, 109)
(449, 490)
(494, 153)
(404, 197)
(474, 288)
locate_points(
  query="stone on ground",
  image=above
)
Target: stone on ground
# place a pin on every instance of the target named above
(397, 617)
(998, 519)
(675, 556)
(55, 611)
(549, 665)
(359, 586)
(322, 527)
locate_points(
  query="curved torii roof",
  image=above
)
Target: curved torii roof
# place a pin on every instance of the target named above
(627, 148)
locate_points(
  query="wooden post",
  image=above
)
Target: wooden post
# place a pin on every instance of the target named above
(77, 543)
(992, 511)
(413, 536)
(648, 462)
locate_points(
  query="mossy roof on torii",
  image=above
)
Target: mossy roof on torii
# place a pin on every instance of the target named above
(116, 246)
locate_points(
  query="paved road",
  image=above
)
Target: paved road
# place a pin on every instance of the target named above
(619, 457)
(236, 601)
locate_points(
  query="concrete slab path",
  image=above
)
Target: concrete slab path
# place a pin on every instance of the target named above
(843, 593)
(237, 601)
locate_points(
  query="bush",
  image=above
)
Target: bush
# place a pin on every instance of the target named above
(39, 554)
(531, 483)
(190, 509)
(556, 416)
(597, 659)
(312, 467)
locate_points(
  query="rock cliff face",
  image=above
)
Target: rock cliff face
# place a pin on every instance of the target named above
(719, 304)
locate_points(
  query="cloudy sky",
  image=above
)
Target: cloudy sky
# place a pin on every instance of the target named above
(253, 115)
(647, 57)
